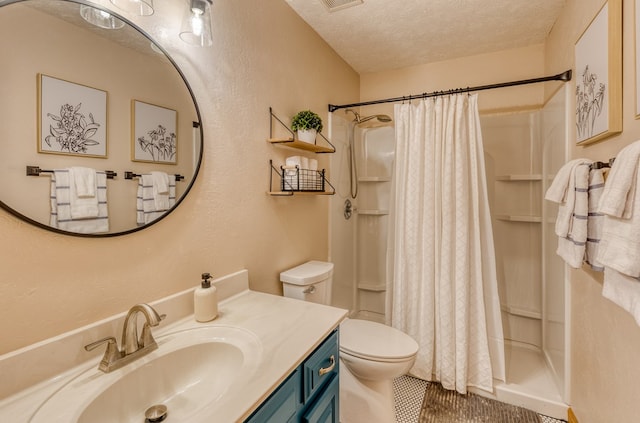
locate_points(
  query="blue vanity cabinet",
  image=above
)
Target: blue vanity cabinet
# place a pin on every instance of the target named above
(310, 394)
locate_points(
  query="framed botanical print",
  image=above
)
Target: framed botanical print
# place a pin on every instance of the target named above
(154, 133)
(72, 118)
(598, 56)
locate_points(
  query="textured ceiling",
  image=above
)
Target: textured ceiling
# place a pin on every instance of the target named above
(389, 34)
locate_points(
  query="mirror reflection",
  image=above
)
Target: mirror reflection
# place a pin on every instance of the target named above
(78, 101)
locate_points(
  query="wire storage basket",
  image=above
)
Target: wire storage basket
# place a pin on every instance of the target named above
(304, 180)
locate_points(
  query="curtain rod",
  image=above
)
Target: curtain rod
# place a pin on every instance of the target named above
(564, 76)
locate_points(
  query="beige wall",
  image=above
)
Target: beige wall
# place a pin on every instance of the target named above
(605, 340)
(469, 71)
(263, 55)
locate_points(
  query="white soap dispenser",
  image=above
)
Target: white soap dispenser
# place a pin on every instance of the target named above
(205, 300)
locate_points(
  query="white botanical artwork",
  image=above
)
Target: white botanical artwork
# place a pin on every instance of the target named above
(154, 133)
(73, 118)
(592, 68)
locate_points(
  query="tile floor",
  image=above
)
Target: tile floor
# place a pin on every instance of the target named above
(409, 393)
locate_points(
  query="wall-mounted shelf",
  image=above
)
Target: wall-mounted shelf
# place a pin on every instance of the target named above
(300, 145)
(292, 142)
(293, 180)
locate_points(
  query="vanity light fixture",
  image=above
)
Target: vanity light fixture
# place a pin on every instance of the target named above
(100, 18)
(196, 25)
(135, 7)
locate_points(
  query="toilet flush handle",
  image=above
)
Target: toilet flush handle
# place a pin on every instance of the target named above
(324, 370)
(310, 290)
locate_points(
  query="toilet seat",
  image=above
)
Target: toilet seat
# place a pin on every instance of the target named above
(375, 341)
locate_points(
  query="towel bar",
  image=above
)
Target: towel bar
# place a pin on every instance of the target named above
(36, 171)
(131, 175)
(601, 165)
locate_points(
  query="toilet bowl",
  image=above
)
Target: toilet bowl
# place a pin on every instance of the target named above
(372, 354)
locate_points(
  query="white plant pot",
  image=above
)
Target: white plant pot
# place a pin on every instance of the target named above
(307, 135)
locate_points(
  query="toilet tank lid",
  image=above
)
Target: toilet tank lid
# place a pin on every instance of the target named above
(308, 273)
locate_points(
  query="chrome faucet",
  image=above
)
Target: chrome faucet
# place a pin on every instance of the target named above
(132, 346)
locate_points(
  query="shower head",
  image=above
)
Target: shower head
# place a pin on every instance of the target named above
(359, 119)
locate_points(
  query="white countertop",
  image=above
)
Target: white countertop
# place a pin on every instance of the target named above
(288, 330)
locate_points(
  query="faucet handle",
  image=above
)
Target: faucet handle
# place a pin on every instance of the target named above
(109, 340)
(111, 354)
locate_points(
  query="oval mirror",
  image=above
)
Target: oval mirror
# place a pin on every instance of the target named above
(100, 133)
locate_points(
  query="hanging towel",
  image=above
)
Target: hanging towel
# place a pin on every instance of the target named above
(619, 247)
(60, 198)
(622, 290)
(570, 189)
(596, 219)
(148, 208)
(83, 198)
(160, 182)
(620, 190)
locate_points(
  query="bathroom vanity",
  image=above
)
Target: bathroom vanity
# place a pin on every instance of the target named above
(310, 393)
(266, 358)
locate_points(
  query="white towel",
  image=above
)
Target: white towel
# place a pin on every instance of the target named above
(620, 190)
(146, 205)
(160, 182)
(82, 192)
(570, 188)
(622, 290)
(596, 219)
(562, 191)
(61, 217)
(85, 181)
(619, 247)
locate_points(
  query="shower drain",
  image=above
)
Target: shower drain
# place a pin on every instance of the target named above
(156, 413)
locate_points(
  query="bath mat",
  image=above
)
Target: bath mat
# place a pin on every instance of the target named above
(442, 406)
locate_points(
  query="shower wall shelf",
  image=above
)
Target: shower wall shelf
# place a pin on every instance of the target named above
(372, 287)
(517, 178)
(520, 218)
(374, 179)
(292, 142)
(373, 212)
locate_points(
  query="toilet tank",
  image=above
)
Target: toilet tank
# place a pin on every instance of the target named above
(310, 281)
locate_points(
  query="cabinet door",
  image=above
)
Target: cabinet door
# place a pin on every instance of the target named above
(321, 366)
(326, 407)
(282, 405)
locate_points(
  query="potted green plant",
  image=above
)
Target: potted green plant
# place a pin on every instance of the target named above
(307, 124)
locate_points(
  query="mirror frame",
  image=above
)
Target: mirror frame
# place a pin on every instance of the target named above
(197, 124)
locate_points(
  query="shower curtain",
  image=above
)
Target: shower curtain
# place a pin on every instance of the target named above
(441, 256)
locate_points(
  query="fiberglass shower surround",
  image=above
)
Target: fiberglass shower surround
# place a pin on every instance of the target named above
(353, 167)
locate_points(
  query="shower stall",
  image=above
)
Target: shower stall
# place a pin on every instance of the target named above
(523, 150)
(360, 211)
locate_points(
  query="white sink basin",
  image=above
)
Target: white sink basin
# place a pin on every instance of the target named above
(193, 371)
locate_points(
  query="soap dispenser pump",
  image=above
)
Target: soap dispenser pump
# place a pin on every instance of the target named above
(205, 300)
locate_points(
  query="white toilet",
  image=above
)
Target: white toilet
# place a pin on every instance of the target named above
(373, 354)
